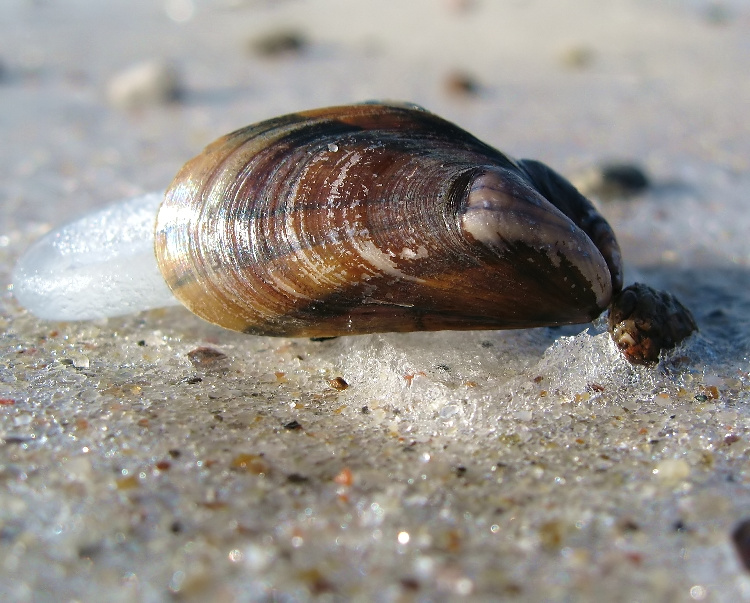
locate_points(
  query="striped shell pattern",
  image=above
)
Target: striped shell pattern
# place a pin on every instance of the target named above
(373, 217)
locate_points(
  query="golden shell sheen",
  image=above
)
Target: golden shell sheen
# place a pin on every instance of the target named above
(372, 218)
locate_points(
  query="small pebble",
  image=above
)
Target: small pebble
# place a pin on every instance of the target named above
(338, 383)
(207, 358)
(741, 539)
(250, 463)
(460, 6)
(577, 57)
(81, 361)
(672, 470)
(145, 84)
(718, 14)
(344, 477)
(612, 181)
(283, 42)
(461, 84)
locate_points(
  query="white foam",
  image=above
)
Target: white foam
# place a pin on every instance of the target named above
(100, 265)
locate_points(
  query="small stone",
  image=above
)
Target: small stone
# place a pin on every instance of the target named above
(718, 13)
(80, 361)
(461, 84)
(680, 526)
(293, 425)
(145, 84)
(127, 483)
(207, 358)
(612, 181)
(672, 470)
(338, 383)
(250, 463)
(552, 534)
(577, 57)
(741, 539)
(344, 477)
(279, 43)
(460, 6)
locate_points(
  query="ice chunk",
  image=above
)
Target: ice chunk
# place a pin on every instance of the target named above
(100, 265)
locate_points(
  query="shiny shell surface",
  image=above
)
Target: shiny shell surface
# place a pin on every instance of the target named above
(370, 218)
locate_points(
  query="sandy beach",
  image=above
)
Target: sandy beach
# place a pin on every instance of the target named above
(155, 457)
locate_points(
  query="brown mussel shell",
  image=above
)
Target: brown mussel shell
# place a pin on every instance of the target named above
(372, 218)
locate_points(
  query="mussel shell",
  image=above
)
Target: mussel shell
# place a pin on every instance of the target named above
(370, 218)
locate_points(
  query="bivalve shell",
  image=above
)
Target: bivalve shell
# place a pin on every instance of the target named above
(372, 217)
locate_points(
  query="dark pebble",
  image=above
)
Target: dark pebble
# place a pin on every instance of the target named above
(612, 181)
(628, 178)
(741, 539)
(461, 84)
(279, 43)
